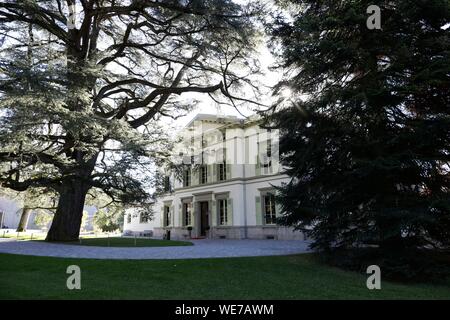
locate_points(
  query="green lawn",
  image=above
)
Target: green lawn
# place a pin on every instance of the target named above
(284, 277)
(129, 242)
(104, 241)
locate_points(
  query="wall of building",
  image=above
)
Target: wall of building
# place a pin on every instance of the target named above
(245, 182)
(12, 210)
(136, 227)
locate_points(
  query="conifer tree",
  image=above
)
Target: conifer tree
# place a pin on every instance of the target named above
(365, 132)
(81, 109)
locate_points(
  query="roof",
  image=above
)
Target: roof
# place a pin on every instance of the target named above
(215, 118)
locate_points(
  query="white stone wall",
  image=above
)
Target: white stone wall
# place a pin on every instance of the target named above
(12, 210)
(138, 227)
(244, 183)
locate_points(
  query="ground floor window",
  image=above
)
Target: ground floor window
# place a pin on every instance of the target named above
(187, 214)
(269, 209)
(166, 216)
(223, 212)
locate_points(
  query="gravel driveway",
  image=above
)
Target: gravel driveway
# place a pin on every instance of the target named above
(200, 249)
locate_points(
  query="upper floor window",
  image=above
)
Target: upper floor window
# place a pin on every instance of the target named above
(187, 214)
(223, 212)
(222, 172)
(129, 218)
(166, 216)
(187, 178)
(167, 185)
(203, 174)
(269, 209)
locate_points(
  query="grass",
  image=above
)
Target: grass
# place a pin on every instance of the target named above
(282, 277)
(129, 242)
(23, 235)
(105, 241)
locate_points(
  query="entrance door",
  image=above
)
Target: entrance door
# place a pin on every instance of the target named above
(204, 218)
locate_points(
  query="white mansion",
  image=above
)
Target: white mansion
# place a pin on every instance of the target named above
(226, 186)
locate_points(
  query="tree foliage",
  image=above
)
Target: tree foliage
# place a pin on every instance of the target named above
(366, 131)
(84, 84)
(108, 221)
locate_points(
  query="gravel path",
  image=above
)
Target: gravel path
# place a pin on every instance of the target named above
(200, 249)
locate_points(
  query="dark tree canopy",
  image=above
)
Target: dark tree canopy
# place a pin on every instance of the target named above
(366, 132)
(83, 84)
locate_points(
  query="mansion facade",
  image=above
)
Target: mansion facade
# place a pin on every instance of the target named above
(224, 188)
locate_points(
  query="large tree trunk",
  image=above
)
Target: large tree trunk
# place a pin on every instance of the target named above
(67, 220)
(23, 223)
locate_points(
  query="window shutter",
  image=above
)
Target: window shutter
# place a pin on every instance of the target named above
(172, 215)
(257, 166)
(162, 215)
(194, 177)
(258, 211)
(214, 173)
(229, 212)
(228, 169)
(209, 168)
(277, 209)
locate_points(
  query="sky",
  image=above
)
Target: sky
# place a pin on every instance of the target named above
(206, 105)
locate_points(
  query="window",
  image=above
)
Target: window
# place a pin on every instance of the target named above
(223, 212)
(143, 217)
(268, 156)
(166, 216)
(222, 171)
(187, 214)
(269, 148)
(187, 178)
(269, 209)
(167, 186)
(203, 142)
(129, 218)
(203, 174)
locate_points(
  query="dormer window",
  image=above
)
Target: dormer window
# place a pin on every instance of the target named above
(203, 142)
